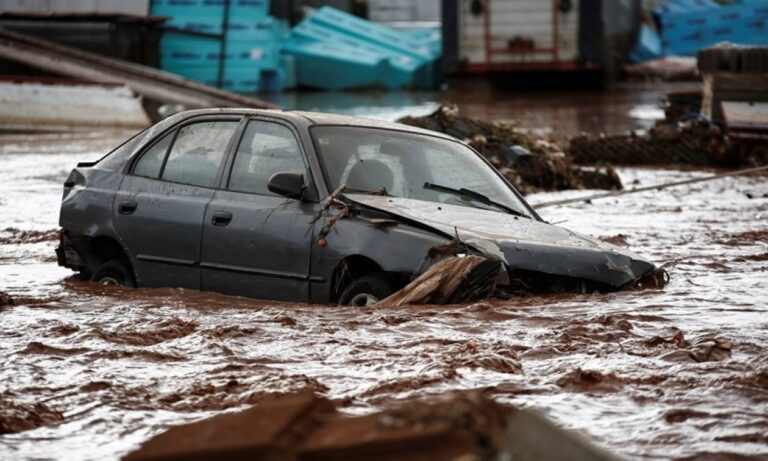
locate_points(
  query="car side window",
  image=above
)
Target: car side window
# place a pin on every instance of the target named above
(151, 160)
(265, 149)
(197, 153)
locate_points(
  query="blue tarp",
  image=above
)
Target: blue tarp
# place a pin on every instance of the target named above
(686, 26)
(648, 45)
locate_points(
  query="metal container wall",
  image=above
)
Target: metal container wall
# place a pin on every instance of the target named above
(518, 34)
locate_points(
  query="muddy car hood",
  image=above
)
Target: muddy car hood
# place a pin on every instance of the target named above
(521, 243)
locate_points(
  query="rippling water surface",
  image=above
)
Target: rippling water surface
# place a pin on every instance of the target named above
(676, 373)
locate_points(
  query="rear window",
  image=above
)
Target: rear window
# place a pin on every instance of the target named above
(120, 154)
(151, 161)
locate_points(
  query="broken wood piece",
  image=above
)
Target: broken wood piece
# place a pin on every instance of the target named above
(451, 280)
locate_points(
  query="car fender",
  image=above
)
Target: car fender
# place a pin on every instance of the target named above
(86, 211)
(395, 246)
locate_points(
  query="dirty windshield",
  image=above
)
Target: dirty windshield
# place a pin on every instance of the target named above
(369, 159)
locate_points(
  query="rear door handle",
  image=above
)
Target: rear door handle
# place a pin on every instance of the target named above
(127, 207)
(221, 218)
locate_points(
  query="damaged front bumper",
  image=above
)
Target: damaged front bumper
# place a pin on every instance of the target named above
(544, 268)
(66, 253)
(460, 272)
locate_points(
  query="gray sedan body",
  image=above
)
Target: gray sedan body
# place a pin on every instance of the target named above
(192, 202)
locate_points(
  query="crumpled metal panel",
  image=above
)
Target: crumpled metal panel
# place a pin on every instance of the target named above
(521, 243)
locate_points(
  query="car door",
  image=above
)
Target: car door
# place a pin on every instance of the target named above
(256, 243)
(161, 203)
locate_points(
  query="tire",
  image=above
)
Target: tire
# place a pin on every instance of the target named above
(366, 291)
(114, 272)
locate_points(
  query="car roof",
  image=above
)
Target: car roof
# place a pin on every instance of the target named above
(314, 118)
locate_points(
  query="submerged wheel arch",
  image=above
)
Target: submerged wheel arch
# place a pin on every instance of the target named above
(354, 266)
(103, 248)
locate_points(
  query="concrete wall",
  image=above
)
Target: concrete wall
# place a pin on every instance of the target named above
(404, 10)
(137, 7)
(44, 106)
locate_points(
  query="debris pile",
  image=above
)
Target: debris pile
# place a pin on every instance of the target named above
(530, 164)
(723, 123)
(693, 143)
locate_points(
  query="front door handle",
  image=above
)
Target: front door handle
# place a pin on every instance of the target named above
(127, 207)
(221, 218)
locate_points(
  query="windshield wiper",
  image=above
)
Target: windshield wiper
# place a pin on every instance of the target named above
(477, 196)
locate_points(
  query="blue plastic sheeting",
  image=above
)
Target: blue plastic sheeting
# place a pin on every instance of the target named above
(683, 6)
(685, 33)
(648, 45)
(686, 26)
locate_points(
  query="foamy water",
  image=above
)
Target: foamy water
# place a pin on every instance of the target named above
(652, 375)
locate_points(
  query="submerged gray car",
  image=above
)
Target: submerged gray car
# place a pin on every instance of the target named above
(297, 206)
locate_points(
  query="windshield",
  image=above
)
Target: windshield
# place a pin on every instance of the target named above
(369, 159)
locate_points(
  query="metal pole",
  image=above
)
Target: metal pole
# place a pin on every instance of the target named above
(223, 45)
(618, 193)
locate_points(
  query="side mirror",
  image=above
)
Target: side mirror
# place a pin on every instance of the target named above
(287, 184)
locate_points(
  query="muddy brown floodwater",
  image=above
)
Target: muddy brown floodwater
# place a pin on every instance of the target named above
(89, 372)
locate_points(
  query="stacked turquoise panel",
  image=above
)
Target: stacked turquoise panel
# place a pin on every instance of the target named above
(336, 50)
(329, 50)
(430, 36)
(283, 76)
(251, 41)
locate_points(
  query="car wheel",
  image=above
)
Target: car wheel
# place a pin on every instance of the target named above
(114, 272)
(366, 291)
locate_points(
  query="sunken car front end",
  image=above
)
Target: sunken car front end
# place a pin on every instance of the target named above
(541, 268)
(538, 257)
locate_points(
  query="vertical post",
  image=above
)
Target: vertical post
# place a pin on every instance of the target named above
(555, 32)
(450, 30)
(487, 32)
(223, 45)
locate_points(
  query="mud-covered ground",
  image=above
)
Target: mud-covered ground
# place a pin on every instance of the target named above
(89, 372)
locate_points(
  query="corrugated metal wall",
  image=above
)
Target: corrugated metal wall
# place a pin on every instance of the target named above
(518, 31)
(137, 7)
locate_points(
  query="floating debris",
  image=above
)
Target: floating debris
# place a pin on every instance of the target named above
(452, 280)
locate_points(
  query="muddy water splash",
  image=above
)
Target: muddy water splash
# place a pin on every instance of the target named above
(88, 372)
